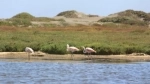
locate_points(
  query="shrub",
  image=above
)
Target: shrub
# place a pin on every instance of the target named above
(72, 14)
(5, 23)
(53, 49)
(24, 15)
(124, 20)
(68, 14)
(136, 14)
(21, 22)
(130, 17)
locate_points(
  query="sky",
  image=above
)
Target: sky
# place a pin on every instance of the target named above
(50, 8)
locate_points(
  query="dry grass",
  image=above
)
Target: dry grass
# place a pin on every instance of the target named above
(78, 28)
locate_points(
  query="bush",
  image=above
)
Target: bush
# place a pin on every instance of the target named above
(136, 14)
(72, 14)
(68, 14)
(11, 47)
(5, 23)
(23, 15)
(21, 22)
(53, 49)
(130, 17)
(107, 41)
(124, 20)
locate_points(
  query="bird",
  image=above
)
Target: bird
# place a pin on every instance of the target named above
(88, 50)
(72, 49)
(29, 50)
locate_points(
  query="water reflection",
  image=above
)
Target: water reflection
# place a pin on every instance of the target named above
(73, 72)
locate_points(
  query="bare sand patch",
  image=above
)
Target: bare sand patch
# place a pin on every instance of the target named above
(77, 57)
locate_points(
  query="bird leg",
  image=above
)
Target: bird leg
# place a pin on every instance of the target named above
(28, 56)
(90, 56)
(72, 55)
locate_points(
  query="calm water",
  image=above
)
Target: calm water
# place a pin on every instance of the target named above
(73, 72)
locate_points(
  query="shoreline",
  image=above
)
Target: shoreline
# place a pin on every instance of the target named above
(77, 57)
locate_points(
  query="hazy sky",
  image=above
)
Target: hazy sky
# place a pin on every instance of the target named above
(50, 8)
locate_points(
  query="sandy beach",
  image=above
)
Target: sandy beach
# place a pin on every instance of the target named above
(77, 57)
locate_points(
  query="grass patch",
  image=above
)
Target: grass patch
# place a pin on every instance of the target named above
(105, 40)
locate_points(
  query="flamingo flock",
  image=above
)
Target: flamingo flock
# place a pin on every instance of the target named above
(87, 50)
(70, 49)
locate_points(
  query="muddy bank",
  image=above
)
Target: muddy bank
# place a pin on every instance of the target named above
(78, 57)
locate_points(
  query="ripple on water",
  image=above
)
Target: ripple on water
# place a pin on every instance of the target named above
(45, 72)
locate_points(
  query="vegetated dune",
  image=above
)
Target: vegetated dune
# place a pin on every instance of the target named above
(75, 18)
(65, 18)
(72, 14)
(130, 17)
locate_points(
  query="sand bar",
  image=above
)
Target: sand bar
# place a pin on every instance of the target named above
(77, 57)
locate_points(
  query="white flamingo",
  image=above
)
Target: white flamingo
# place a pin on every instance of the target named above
(72, 49)
(88, 50)
(29, 50)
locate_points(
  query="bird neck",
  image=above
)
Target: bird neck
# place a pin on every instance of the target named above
(83, 47)
(84, 50)
(67, 46)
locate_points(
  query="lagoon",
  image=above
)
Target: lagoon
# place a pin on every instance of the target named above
(73, 72)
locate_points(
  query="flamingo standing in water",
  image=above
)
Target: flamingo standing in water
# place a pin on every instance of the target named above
(88, 50)
(29, 50)
(72, 49)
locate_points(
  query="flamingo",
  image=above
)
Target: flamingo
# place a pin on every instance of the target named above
(29, 50)
(88, 50)
(72, 49)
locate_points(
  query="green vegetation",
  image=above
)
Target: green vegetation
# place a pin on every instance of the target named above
(24, 15)
(131, 35)
(18, 22)
(68, 14)
(72, 14)
(3, 23)
(136, 14)
(25, 20)
(125, 20)
(105, 40)
(130, 17)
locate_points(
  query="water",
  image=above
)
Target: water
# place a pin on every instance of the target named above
(73, 72)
